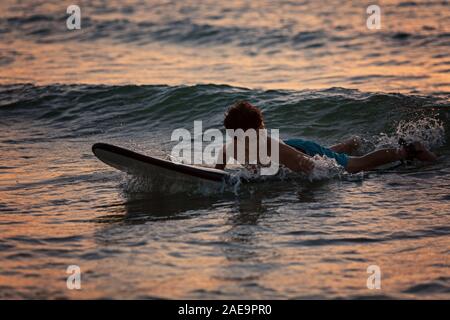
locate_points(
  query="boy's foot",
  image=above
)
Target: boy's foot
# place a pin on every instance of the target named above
(416, 150)
(349, 146)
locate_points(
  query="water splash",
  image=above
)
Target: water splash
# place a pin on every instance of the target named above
(429, 131)
(238, 175)
(234, 181)
(325, 168)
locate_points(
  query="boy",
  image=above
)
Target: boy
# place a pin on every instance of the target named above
(296, 154)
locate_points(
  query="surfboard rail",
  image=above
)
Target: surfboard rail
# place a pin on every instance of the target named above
(105, 152)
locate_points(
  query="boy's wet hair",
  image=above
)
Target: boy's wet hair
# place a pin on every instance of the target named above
(243, 115)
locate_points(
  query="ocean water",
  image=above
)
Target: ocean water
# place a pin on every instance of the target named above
(303, 44)
(138, 70)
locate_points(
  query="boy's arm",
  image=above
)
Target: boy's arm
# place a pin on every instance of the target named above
(295, 160)
(222, 159)
(292, 158)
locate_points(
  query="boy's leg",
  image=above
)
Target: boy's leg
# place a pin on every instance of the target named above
(348, 147)
(374, 159)
(384, 156)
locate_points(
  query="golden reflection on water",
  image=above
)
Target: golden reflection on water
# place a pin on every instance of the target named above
(168, 66)
(171, 269)
(375, 63)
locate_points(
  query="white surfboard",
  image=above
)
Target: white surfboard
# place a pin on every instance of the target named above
(157, 169)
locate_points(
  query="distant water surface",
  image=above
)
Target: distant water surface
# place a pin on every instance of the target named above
(257, 44)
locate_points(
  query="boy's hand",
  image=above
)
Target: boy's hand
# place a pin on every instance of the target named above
(306, 164)
(423, 154)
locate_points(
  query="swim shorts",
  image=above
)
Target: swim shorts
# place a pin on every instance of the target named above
(311, 148)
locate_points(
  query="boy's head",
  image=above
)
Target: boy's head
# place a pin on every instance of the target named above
(243, 115)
